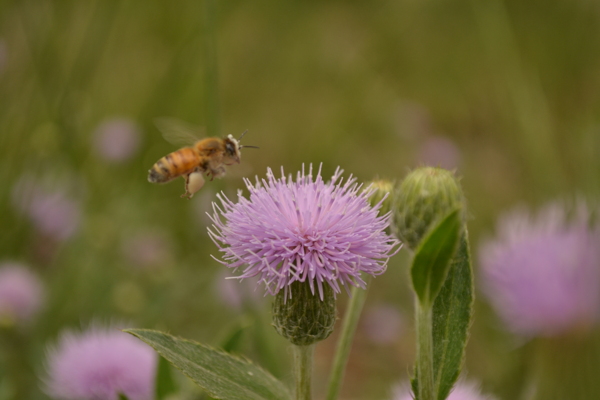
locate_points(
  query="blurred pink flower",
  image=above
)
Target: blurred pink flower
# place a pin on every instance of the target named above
(439, 151)
(234, 293)
(542, 274)
(148, 249)
(100, 364)
(461, 391)
(117, 139)
(52, 212)
(21, 293)
(382, 324)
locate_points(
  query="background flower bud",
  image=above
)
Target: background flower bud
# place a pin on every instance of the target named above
(381, 188)
(425, 196)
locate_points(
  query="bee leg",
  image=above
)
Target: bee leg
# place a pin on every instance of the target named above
(187, 194)
(217, 172)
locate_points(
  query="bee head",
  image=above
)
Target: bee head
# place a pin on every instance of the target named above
(232, 148)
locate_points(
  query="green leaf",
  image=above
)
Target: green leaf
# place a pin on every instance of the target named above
(222, 375)
(432, 258)
(233, 337)
(452, 311)
(164, 379)
(122, 397)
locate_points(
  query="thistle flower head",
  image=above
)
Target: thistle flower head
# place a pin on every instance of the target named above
(308, 230)
(542, 273)
(101, 364)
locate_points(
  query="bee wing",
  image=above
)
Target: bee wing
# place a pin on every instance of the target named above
(178, 132)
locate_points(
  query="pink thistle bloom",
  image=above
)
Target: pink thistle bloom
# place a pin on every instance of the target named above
(461, 391)
(117, 139)
(100, 364)
(21, 293)
(307, 231)
(542, 274)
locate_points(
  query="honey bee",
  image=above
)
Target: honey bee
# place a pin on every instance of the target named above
(207, 156)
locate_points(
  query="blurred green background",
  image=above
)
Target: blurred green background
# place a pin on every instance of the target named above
(505, 92)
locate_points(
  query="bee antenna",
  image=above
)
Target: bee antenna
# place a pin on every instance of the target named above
(242, 135)
(249, 147)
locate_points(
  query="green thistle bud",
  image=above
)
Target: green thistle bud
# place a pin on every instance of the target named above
(425, 196)
(382, 188)
(303, 318)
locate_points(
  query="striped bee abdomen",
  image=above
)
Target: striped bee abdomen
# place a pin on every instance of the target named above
(173, 165)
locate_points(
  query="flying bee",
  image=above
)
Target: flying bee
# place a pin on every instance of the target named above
(204, 157)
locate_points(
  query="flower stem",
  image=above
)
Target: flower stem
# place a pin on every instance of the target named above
(425, 353)
(342, 353)
(303, 362)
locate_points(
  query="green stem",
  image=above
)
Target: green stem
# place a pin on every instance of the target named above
(342, 353)
(425, 353)
(303, 362)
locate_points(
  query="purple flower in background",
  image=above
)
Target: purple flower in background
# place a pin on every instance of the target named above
(117, 139)
(461, 391)
(542, 274)
(308, 230)
(382, 324)
(439, 151)
(236, 294)
(51, 210)
(100, 364)
(21, 293)
(148, 249)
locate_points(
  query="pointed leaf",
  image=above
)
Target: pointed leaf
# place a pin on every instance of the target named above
(432, 258)
(452, 311)
(222, 375)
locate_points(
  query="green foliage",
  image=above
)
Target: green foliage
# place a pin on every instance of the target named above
(222, 375)
(451, 319)
(452, 312)
(232, 340)
(432, 260)
(164, 384)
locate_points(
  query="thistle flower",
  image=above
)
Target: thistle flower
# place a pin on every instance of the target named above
(542, 274)
(117, 139)
(101, 364)
(303, 231)
(462, 391)
(21, 293)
